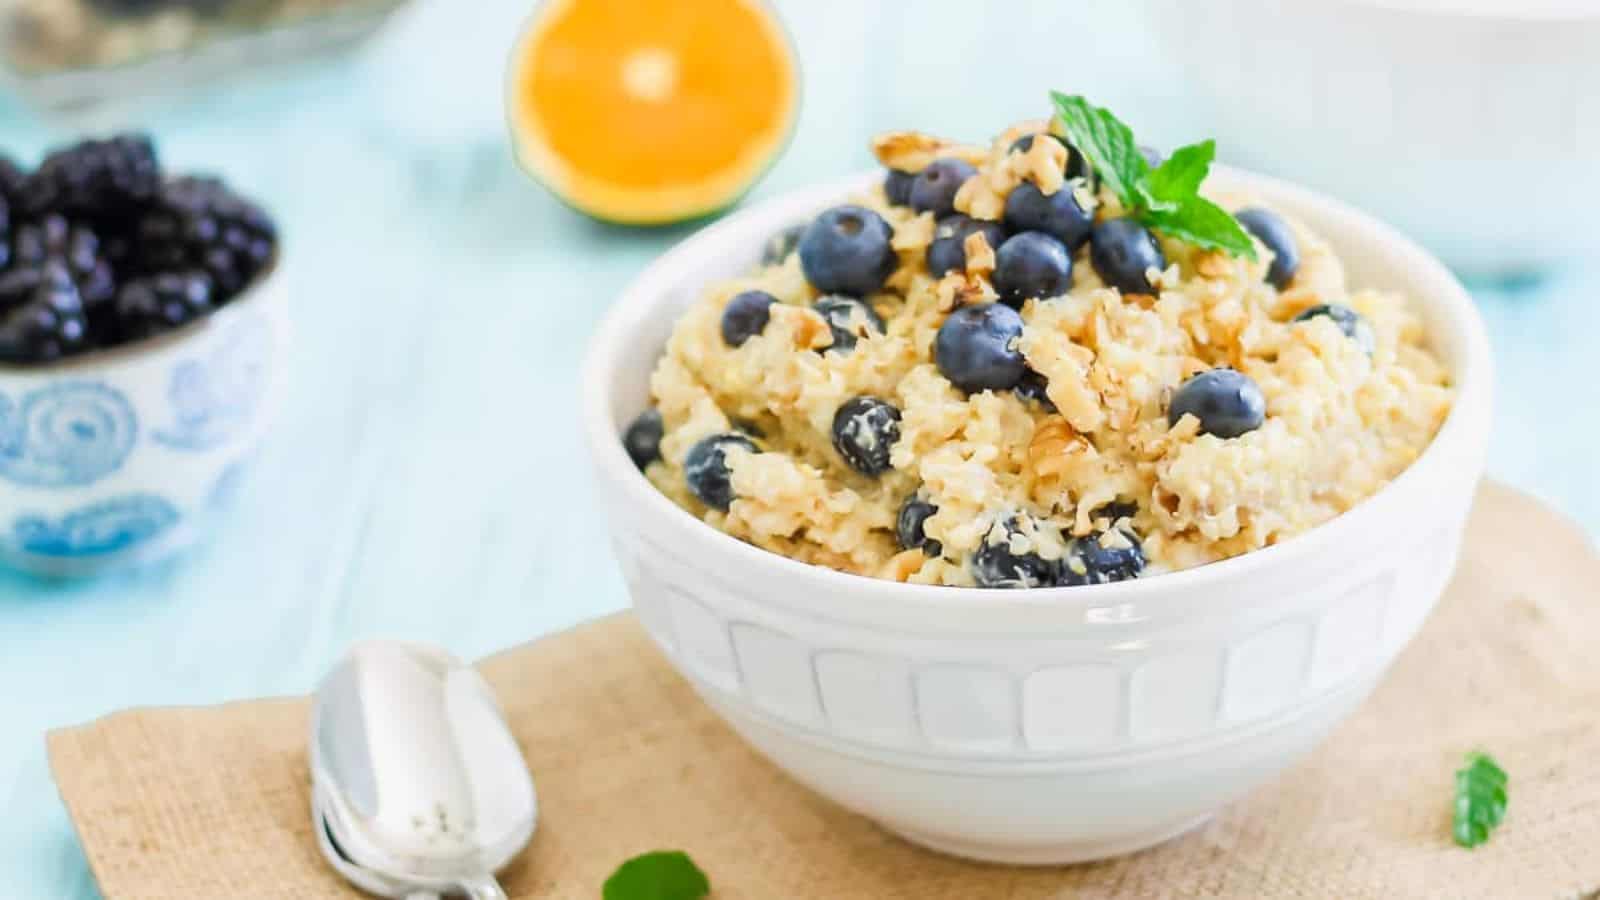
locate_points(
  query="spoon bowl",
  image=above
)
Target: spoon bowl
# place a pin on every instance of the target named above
(418, 786)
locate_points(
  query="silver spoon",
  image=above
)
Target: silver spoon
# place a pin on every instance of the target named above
(418, 788)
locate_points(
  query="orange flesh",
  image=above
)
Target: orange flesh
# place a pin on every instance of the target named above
(649, 94)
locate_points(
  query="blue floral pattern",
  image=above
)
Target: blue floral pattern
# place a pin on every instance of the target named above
(67, 434)
(100, 528)
(226, 488)
(215, 398)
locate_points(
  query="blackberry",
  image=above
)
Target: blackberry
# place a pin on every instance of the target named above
(110, 178)
(199, 223)
(41, 314)
(75, 246)
(146, 307)
(11, 178)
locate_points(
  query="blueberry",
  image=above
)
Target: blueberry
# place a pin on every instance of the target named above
(642, 440)
(994, 565)
(849, 319)
(908, 526)
(749, 427)
(1032, 388)
(976, 348)
(1077, 164)
(1058, 215)
(1273, 231)
(1226, 401)
(934, 188)
(780, 245)
(948, 251)
(746, 316)
(897, 187)
(1116, 509)
(705, 468)
(1122, 252)
(846, 250)
(1349, 321)
(1152, 157)
(1090, 561)
(864, 431)
(1031, 264)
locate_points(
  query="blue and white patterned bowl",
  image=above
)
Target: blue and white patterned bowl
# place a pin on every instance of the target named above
(119, 457)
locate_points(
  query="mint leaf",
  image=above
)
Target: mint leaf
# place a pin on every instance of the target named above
(1179, 178)
(1180, 211)
(1106, 142)
(662, 875)
(1166, 198)
(1205, 225)
(1480, 799)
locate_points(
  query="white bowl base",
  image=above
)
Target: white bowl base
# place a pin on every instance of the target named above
(1048, 854)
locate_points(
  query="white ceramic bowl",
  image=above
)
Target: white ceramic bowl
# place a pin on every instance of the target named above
(1471, 124)
(1053, 725)
(118, 457)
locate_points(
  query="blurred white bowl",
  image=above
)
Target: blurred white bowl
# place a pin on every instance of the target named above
(120, 456)
(1473, 125)
(1053, 725)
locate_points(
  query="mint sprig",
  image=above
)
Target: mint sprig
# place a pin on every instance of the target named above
(1106, 142)
(1166, 198)
(662, 875)
(1480, 799)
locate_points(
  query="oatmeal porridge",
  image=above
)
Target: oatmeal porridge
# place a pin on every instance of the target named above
(1022, 365)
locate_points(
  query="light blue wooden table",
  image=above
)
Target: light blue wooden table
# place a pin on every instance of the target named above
(427, 479)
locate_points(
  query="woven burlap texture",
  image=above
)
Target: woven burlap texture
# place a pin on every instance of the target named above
(212, 803)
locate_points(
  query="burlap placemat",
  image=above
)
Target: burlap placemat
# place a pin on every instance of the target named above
(212, 803)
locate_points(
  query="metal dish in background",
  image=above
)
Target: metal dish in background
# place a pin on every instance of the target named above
(70, 55)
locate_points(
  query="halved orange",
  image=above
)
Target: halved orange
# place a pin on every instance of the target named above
(645, 112)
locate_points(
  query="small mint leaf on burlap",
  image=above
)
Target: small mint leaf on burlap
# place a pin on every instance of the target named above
(1480, 799)
(662, 875)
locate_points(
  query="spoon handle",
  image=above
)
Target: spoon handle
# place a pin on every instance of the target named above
(485, 888)
(423, 895)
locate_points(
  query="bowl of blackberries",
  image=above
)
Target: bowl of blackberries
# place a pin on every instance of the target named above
(140, 347)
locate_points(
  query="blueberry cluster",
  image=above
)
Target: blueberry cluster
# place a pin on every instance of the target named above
(1038, 234)
(99, 248)
(846, 254)
(1098, 558)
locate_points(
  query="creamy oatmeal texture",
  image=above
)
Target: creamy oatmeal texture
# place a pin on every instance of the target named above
(1093, 456)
